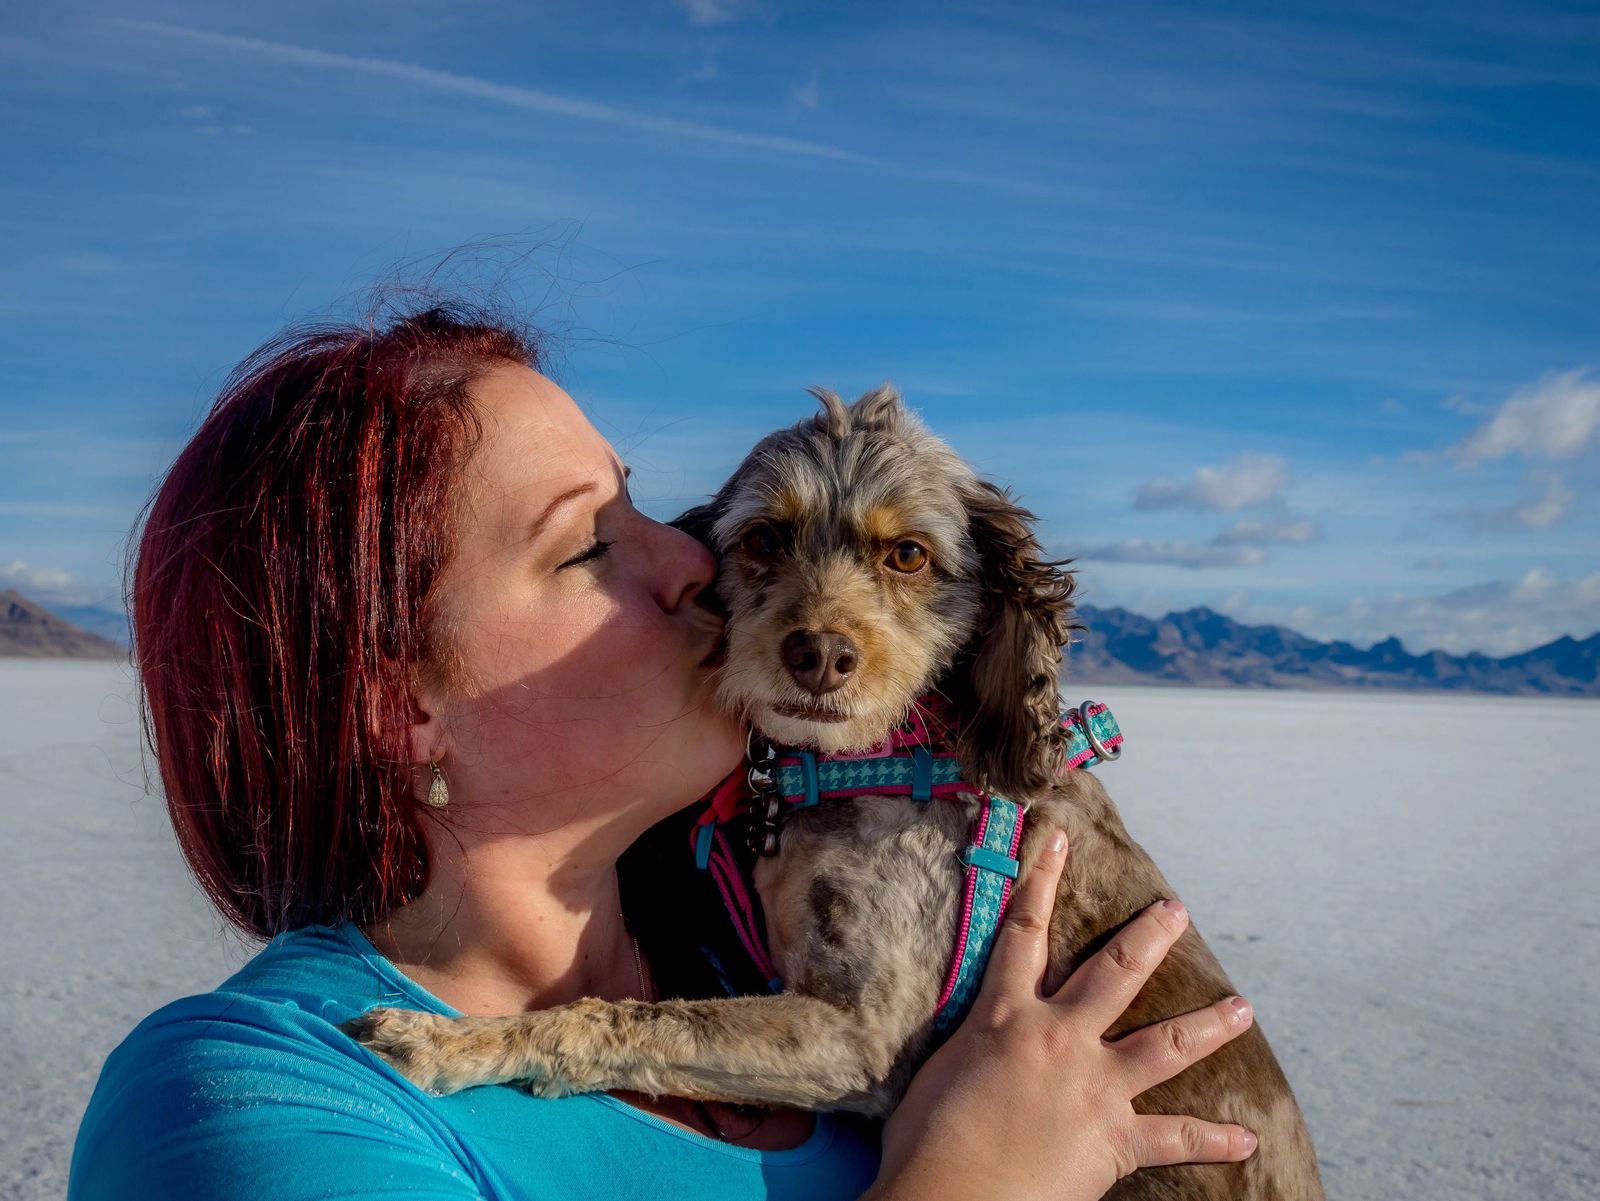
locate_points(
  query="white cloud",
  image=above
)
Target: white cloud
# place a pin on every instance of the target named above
(1536, 510)
(1555, 418)
(1459, 403)
(1247, 480)
(1269, 533)
(1499, 617)
(1173, 554)
(47, 585)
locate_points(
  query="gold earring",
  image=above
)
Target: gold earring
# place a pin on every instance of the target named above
(438, 790)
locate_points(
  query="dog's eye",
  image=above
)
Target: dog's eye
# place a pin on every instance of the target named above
(760, 542)
(908, 558)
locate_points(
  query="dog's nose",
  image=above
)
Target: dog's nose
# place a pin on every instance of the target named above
(819, 660)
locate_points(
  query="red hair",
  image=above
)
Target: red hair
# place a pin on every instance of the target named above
(280, 611)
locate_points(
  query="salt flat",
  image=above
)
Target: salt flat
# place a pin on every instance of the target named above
(1404, 885)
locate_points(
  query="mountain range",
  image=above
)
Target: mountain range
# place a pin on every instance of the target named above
(29, 630)
(1195, 647)
(1202, 647)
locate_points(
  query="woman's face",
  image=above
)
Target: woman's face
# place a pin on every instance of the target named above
(578, 694)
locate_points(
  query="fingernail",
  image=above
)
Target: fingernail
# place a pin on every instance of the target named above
(1176, 909)
(1249, 1143)
(1241, 1008)
(1057, 842)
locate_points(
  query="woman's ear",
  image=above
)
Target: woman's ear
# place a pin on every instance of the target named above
(1011, 729)
(403, 725)
(429, 746)
(429, 741)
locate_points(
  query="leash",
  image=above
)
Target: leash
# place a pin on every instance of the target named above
(780, 781)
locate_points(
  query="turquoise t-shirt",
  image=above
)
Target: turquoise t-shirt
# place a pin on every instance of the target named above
(250, 1093)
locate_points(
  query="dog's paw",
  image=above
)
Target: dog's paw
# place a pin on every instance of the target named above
(423, 1047)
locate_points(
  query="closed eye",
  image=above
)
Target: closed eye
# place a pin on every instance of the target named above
(593, 551)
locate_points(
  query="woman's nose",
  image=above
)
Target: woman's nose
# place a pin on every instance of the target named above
(687, 567)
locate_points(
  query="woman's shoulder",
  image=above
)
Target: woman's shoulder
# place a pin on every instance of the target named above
(286, 1001)
(245, 1087)
(279, 1013)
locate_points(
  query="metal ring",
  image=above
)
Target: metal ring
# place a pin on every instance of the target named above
(762, 839)
(760, 778)
(1105, 754)
(757, 749)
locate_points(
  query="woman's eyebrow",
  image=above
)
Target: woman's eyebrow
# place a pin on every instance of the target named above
(571, 494)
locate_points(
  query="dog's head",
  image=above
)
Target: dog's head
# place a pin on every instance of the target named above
(865, 565)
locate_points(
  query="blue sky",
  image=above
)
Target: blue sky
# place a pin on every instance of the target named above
(1289, 313)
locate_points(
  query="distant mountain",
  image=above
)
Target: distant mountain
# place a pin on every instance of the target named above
(1197, 646)
(1200, 646)
(31, 631)
(97, 619)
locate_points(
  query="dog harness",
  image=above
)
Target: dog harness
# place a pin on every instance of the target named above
(780, 781)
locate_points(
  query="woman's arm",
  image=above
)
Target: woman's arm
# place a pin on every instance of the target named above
(1027, 1100)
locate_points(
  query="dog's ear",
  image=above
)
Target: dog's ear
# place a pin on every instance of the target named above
(1011, 738)
(697, 522)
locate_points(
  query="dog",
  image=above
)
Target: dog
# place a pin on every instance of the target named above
(865, 565)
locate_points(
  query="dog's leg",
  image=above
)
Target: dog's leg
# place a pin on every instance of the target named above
(784, 1050)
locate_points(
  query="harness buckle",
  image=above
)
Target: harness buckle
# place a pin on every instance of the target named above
(1104, 753)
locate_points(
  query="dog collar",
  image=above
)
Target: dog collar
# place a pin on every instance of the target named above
(901, 765)
(904, 766)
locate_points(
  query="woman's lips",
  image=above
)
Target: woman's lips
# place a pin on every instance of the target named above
(809, 713)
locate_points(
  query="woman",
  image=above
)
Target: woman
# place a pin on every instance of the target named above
(416, 674)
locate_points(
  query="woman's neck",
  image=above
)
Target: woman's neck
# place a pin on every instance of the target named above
(529, 927)
(524, 928)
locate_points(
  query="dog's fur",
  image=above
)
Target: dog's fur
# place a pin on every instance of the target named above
(862, 898)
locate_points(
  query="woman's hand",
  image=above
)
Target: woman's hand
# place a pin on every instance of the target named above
(1028, 1100)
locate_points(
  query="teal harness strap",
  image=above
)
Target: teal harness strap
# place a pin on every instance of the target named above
(991, 861)
(803, 779)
